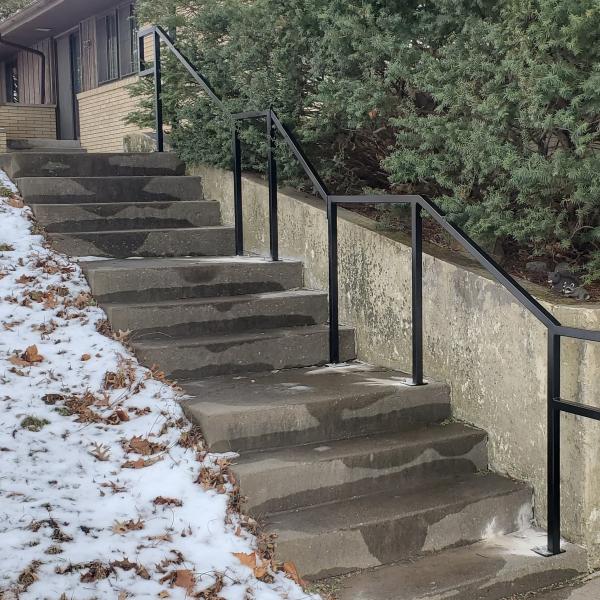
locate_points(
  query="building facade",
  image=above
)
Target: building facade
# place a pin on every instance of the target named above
(66, 67)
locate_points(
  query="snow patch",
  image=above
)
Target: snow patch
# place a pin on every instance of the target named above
(101, 496)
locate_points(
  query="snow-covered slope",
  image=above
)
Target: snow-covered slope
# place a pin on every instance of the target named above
(105, 490)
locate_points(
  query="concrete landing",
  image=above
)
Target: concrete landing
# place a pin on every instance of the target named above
(589, 589)
(498, 568)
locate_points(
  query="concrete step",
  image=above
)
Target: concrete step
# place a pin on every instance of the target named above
(494, 569)
(44, 145)
(198, 357)
(381, 528)
(196, 241)
(302, 406)
(50, 164)
(219, 316)
(66, 218)
(101, 190)
(300, 476)
(158, 279)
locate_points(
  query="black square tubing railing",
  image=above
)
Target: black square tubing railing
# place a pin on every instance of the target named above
(419, 204)
(271, 131)
(417, 275)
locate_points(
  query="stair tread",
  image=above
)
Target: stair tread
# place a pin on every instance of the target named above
(174, 262)
(177, 261)
(138, 231)
(348, 514)
(57, 179)
(493, 569)
(122, 205)
(233, 339)
(241, 299)
(319, 452)
(258, 391)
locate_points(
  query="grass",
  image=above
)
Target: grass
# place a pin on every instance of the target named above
(34, 424)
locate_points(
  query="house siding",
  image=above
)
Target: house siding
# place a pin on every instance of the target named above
(102, 113)
(28, 121)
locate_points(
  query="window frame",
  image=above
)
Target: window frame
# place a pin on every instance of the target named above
(103, 45)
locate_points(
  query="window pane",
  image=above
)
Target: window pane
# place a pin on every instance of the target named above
(127, 40)
(112, 47)
(12, 82)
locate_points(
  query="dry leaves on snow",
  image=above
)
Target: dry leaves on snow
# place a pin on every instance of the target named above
(122, 527)
(30, 357)
(141, 463)
(259, 567)
(162, 501)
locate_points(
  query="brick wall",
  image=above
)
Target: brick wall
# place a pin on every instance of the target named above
(28, 121)
(101, 116)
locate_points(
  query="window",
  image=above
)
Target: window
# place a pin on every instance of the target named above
(128, 42)
(116, 36)
(12, 82)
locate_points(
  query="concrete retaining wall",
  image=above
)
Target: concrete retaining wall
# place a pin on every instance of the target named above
(476, 336)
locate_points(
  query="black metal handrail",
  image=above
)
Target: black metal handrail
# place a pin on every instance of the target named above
(418, 204)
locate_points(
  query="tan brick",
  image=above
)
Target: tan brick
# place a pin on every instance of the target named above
(28, 121)
(102, 112)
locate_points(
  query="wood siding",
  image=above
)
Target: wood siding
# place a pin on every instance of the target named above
(30, 74)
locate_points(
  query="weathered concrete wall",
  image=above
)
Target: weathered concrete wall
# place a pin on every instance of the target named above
(476, 336)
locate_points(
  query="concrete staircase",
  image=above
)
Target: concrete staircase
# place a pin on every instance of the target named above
(356, 472)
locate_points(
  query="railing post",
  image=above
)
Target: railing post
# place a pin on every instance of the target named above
(334, 322)
(553, 443)
(417, 294)
(272, 173)
(160, 139)
(237, 191)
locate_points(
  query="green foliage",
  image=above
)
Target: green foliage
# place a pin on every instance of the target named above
(491, 107)
(9, 7)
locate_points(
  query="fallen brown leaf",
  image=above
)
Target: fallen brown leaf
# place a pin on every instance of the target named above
(122, 527)
(140, 463)
(162, 501)
(31, 355)
(289, 568)
(16, 202)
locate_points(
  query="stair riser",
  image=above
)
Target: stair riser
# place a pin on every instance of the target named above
(257, 355)
(92, 165)
(293, 485)
(151, 322)
(206, 281)
(174, 242)
(295, 424)
(59, 218)
(373, 544)
(44, 145)
(99, 190)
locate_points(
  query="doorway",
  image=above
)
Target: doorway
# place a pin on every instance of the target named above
(68, 55)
